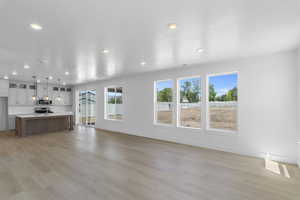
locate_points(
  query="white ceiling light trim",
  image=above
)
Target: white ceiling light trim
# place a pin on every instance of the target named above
(172, 26)
(105, 51)
(26, 66)
(200, 50)
(36, 26)
(14, 73)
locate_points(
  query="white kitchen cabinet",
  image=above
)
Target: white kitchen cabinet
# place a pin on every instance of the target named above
(12, 96)
(30, 94)
(18, 95)
(69, 96)
(11, 122)
(55, 100)
(41, 91)
(21, 96)
(3, 88)
(65, 99)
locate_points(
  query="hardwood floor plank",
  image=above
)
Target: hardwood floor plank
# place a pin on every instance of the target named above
(91, 164)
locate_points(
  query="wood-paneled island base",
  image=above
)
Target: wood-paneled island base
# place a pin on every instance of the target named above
(43, 123)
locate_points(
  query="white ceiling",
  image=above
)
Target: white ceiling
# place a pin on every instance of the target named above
(75, 32)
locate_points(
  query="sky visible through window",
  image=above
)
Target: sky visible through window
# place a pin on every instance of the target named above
(194, 82)
(164, 84)
(223, 83)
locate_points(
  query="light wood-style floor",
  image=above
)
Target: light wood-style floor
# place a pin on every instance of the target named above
(86, 164)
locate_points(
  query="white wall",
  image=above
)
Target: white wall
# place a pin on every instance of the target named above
(298, 104)
(267, 107)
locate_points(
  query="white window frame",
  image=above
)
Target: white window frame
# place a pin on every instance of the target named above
(178, 110)
(105, 102)
(207, 103)
(76, 93)
(155, 104)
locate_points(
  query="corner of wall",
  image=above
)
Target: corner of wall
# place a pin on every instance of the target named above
(298, 106)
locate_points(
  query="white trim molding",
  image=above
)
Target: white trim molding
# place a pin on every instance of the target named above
(298, 154)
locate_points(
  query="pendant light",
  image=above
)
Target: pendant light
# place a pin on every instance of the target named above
(58, 98)
(34, 97)
(47, 97)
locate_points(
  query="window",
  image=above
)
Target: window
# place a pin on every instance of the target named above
(164, 102)
(222, 101)
(114, 103)
(32, 87)
(189, 102)
(23, 86)
(13, 85)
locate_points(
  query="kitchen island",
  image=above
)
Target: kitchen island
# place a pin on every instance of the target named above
(43, 123)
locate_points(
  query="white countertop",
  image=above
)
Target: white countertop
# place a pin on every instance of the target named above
(44, 115)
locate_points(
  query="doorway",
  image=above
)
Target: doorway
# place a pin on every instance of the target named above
(87, 107)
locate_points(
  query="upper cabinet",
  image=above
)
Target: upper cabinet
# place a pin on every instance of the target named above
(20, 94)
(3, 88)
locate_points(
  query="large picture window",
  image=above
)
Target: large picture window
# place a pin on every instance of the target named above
(114, 103)
(189, 102)
(164, 102)
(222, 101)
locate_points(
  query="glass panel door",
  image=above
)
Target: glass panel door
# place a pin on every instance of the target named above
(87, 107)
(91, 108)
(82, 107)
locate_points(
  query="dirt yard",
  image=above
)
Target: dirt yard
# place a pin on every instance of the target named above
(190, 117)
(90, 120)
(164, 117)
(220, 117)
(223, 118)
(115, 117)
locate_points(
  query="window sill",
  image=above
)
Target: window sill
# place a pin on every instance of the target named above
(222, 131)
(166, 125)
(192, 128)
(117, 120)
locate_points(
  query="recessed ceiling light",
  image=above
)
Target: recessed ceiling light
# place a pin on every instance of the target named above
(64, 83)
(172, 26)
(50, 77)
(43, 60)
(67, 73)
(26, 66)
(14, 73)
(105, 51)
(36, 27)
(5, 77)
(143, 63)
(199, 50)
(38, 81)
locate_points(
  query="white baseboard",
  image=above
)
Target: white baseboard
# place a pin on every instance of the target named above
(298, 148)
